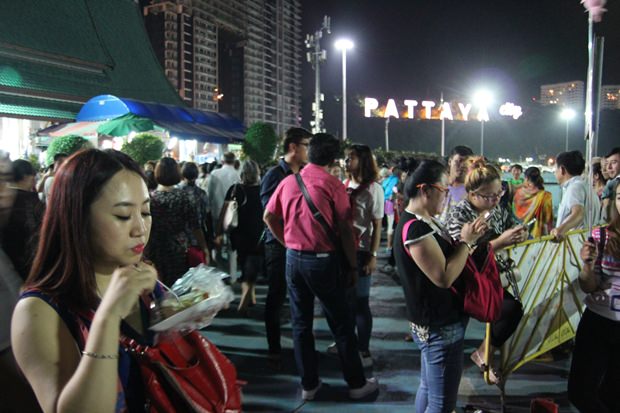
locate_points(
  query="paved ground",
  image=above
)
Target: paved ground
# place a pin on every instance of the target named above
(396, 364)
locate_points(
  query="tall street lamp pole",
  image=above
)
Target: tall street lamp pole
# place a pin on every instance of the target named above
(567, 114)
(482, 137)
(343, 45)
(482, 99)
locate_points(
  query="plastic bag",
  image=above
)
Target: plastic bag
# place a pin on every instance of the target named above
(194, 300)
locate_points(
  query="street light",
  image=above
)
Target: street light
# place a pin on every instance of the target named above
(567, 114)
(344, 45)
(482, 99)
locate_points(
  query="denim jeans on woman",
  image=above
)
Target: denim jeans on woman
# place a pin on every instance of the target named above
(358, 297)
(310, 275)
(441, 366)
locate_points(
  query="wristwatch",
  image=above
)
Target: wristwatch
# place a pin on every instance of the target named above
(373, 253)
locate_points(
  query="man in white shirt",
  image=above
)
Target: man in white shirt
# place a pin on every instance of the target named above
(571, 213)
(221, 180)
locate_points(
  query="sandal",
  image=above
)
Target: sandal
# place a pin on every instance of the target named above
(494, 376)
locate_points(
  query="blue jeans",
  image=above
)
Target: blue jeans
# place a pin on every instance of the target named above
(310, 275)
(358, 297)
(442, 366)
(275, 265)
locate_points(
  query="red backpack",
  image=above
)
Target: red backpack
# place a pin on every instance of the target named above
(482, 293)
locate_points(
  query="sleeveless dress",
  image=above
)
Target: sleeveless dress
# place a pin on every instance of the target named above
(130, 392)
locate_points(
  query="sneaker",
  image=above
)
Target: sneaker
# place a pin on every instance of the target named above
(371, 386)
(366, 358)
(332, 349)
(309, 394)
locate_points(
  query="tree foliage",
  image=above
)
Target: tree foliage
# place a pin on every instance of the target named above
(144, 147)
(260, 142)
(65, 144)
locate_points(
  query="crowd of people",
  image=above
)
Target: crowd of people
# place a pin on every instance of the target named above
(103, 231)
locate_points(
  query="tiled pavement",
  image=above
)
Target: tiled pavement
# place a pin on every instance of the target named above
(396, 364)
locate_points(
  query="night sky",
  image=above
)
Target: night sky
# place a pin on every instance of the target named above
(419, 49)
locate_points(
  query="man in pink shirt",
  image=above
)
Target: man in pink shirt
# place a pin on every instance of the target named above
(312, 264)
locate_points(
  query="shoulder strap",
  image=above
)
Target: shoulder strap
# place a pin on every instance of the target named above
(315, 212)
(355, 192)
(404, 234)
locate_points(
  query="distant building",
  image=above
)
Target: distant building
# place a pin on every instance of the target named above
(241, 57)
(569, 94)
(610, 97)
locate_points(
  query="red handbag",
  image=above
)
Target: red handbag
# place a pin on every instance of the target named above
(186, 373)
(195, 257)
(540, 405)
(482, 293)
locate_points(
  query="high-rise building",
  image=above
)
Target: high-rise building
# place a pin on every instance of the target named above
(569, 94)
(610, 97)
(241, 57)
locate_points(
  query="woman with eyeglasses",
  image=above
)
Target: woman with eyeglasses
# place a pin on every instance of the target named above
(429, 263)
(484, 190)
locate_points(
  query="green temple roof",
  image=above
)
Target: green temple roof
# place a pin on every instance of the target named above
(55, 55)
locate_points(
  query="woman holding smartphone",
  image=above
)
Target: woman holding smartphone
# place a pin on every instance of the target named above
(484, 191)
(594, 378)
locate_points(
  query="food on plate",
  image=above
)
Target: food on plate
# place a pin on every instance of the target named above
(171, 305)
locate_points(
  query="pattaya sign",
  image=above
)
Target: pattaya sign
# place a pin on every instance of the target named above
(428, 109)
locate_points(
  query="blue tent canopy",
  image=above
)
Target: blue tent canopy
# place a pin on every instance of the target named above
(185, 123)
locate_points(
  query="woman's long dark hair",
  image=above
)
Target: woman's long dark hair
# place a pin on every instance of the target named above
(63, 264)
(367, 167)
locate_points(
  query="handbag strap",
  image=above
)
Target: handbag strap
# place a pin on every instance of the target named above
(315, 212)
(235, 194)
(404, 235)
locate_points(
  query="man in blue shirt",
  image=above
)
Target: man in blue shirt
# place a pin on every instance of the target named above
(295, 144)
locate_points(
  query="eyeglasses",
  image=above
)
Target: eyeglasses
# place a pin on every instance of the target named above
(436, 186)
(491, 197)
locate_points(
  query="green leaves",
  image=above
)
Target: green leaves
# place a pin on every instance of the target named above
(260, 142)
(144, 147)
(65, 144)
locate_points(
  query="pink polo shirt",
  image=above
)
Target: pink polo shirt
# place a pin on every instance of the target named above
(301, 230)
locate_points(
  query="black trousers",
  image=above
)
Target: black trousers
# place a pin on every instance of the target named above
(594, 379)
(511, 314)
(275, 268)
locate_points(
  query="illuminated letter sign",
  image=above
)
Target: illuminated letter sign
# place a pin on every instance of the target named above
(428, 104)
(390, 109)
(446, 111)
(410, 105)
(510, 109)
(451, 110)
(483, 114)
(465, 110)
(370, 104)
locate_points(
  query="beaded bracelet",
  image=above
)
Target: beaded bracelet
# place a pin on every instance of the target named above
(100, 356)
